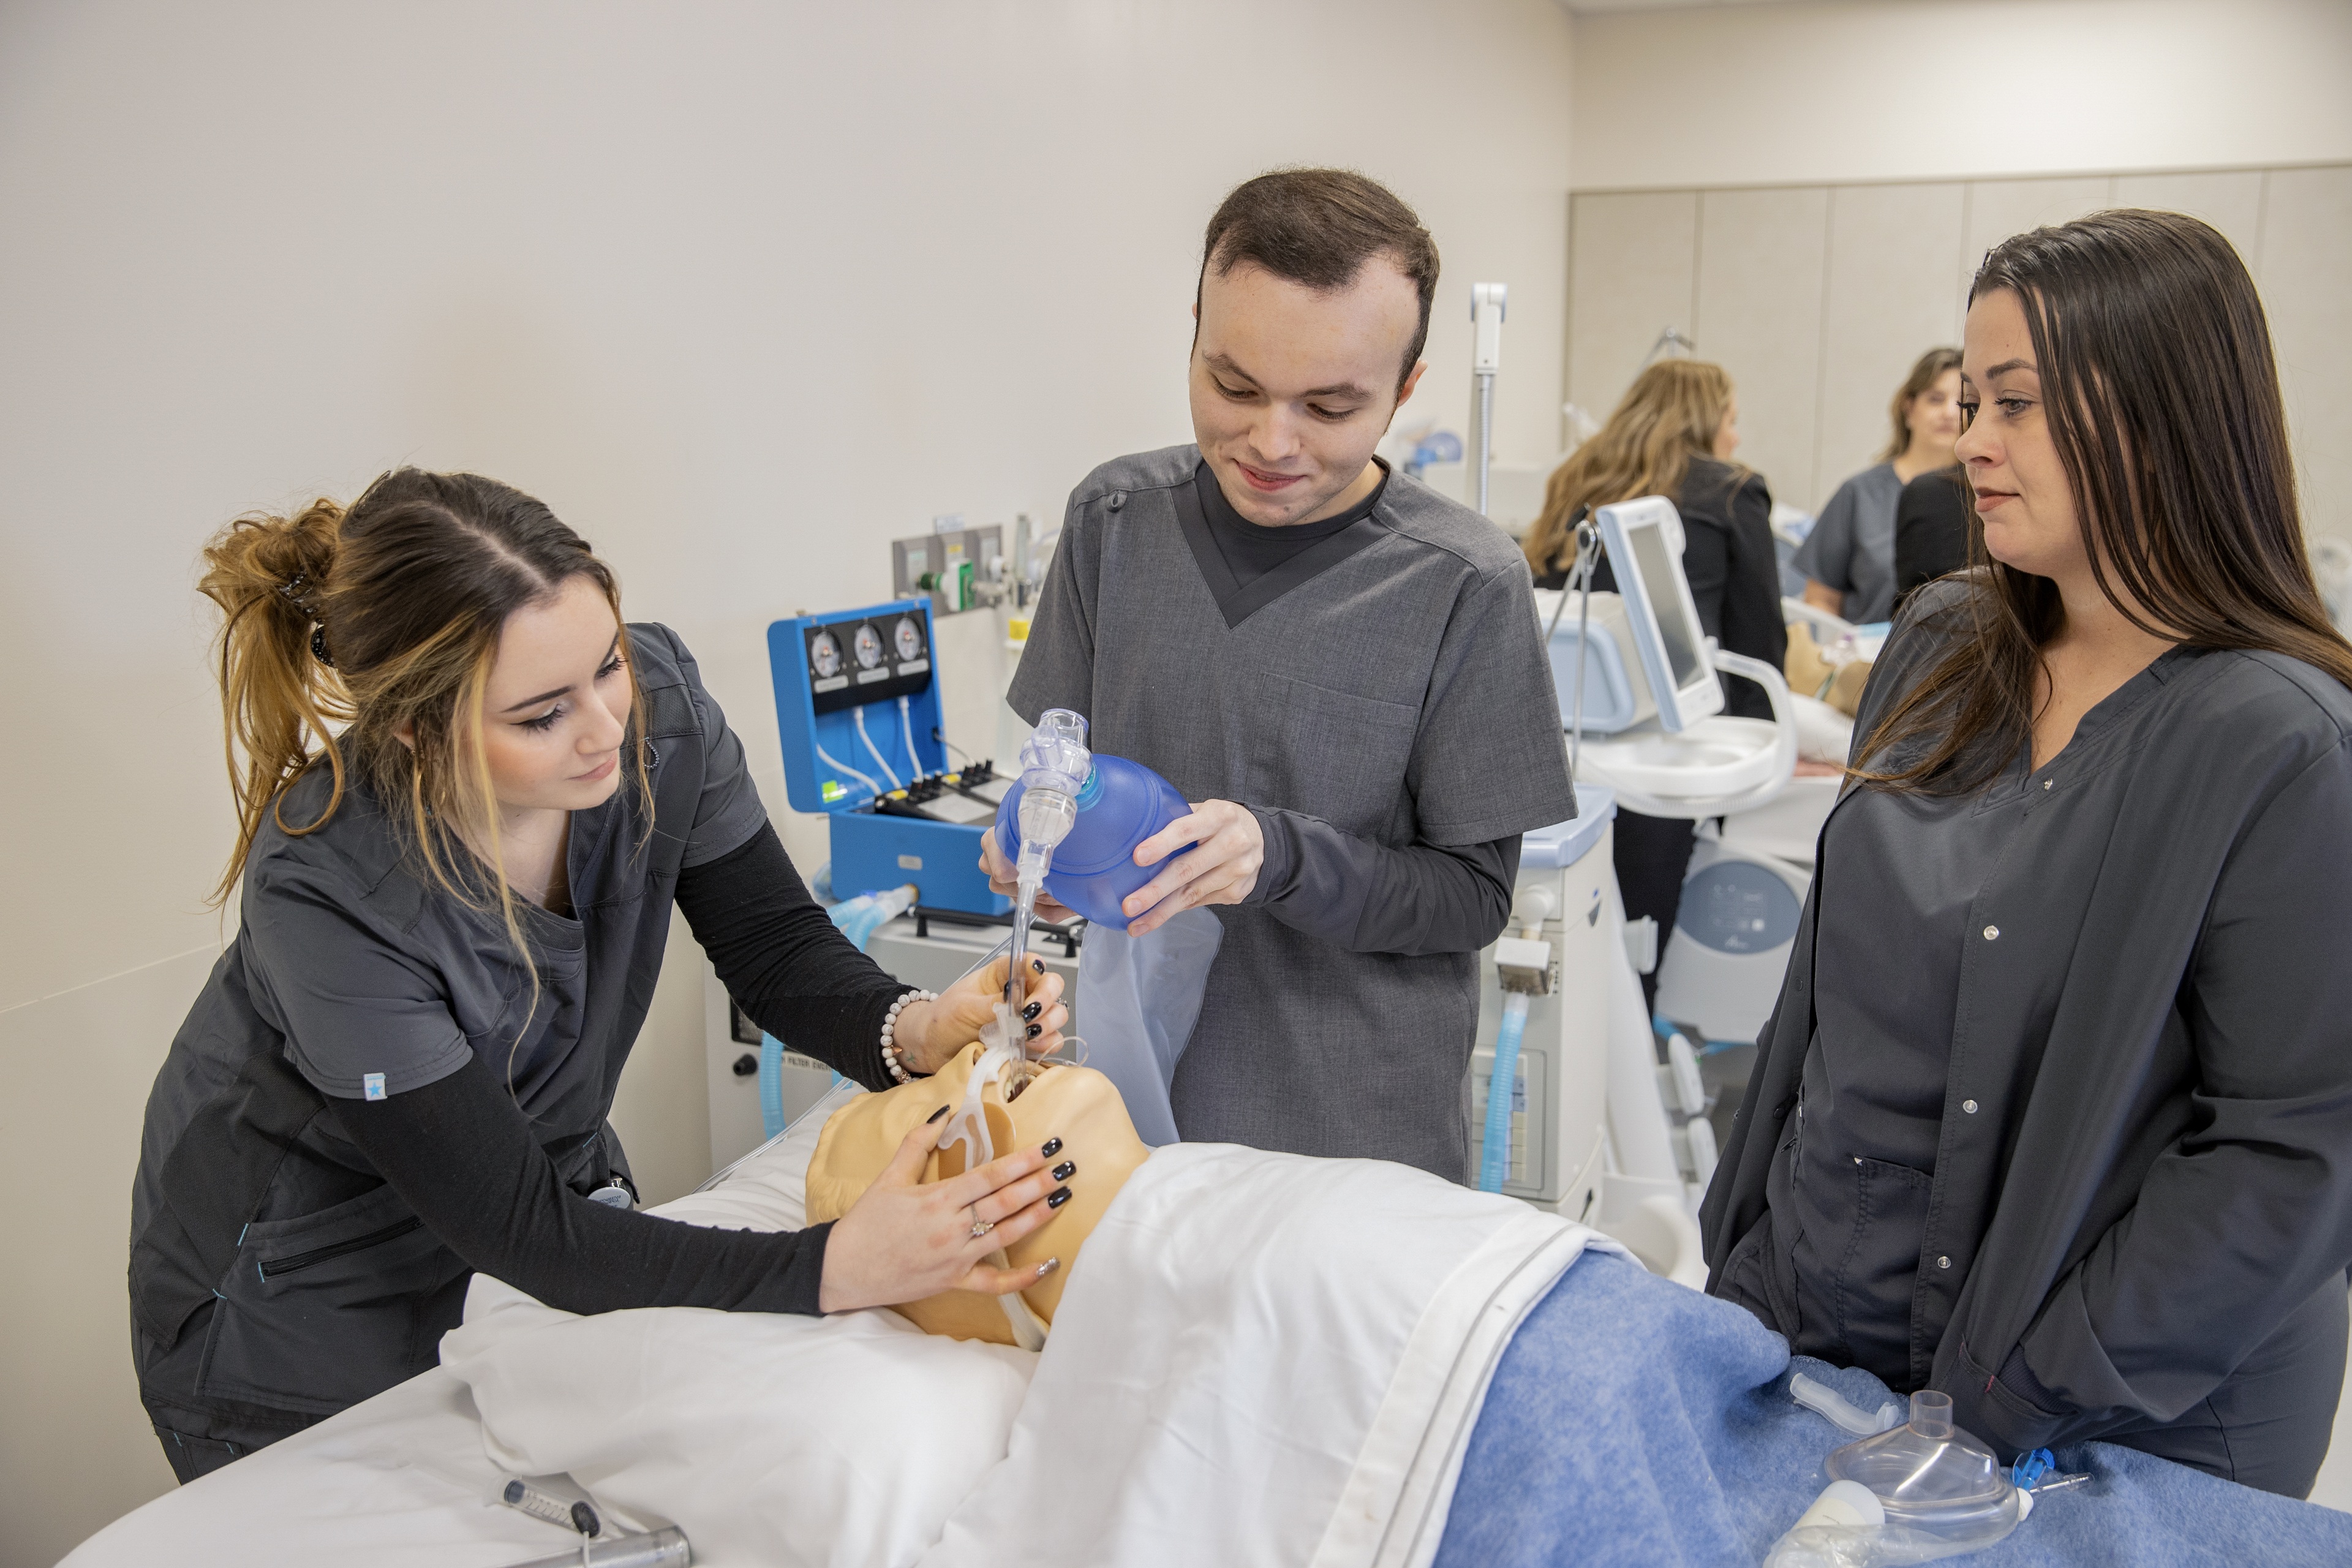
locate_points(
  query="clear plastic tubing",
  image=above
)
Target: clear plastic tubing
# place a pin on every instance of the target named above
(666, 1548)
(1842, 1412)
(1053, 767)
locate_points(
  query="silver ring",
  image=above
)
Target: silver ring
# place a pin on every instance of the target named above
(981, 1227)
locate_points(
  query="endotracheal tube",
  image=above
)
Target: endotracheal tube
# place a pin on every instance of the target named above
(1054, 768)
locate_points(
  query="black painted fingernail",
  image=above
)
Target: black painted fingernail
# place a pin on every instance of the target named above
(1034, 1029)
(1066, 1170)
(1032, 1010)
(1039, 965)
(934, 1115)
(1052, 1147)
(1048, 1267)
(1060, 1197)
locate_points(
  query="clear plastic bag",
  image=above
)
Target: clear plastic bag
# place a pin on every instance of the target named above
(1139, 998)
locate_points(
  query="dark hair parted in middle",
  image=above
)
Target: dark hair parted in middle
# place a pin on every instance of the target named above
(2162, 395)
(1318, 227)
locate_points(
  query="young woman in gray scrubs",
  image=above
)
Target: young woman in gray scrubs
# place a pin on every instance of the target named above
(1848, 560)
(453, 917)
(2056, 1113)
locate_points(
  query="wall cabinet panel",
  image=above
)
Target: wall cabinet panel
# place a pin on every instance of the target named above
(2306, 250)
(1817, 298)
(1891, 298)
(1762, 258)
(1633, 269)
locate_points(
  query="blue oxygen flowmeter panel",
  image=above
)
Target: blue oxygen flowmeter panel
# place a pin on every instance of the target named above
(840, 678)
(857, 710)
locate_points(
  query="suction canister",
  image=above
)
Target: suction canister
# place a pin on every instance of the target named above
(1120, 805)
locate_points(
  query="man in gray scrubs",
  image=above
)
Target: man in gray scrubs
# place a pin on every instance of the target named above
(1340, 668)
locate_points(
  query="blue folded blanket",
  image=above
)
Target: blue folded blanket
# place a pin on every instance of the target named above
(1634, 1421)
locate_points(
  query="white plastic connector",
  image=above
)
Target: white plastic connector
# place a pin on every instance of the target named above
(1689, 1087)
(1525, 964)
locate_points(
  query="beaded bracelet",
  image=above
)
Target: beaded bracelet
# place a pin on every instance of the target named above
(890, 1027)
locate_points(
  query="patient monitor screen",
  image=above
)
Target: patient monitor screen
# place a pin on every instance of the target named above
(1658, 569)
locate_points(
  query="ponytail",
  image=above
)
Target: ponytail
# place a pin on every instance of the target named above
(279, 687)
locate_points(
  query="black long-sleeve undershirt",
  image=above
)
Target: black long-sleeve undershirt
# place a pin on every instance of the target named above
(460, 1152)
(780, 956)
(1368, 898)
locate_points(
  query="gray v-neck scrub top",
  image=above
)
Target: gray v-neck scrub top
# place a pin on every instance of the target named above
(1389, 681)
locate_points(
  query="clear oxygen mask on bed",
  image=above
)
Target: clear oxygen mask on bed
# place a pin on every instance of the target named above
(1923, 1490)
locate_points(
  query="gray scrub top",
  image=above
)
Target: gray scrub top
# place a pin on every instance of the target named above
(347, 965)
(1389, 681)
(1851, 546)
(2119, 1205)
(1900, 875)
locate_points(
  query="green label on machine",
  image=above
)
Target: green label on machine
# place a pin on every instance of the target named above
(832, 790)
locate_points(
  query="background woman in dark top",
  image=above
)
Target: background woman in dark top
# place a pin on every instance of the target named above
(453, 917)
(1931, 529)
(1672, 434)
(2056, 1113)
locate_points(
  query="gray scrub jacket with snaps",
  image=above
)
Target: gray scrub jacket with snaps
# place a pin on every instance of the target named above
(351, 977)
(2125, 1209)
(1389, 681)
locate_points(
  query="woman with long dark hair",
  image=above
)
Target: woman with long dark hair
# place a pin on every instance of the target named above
(2056, 1113)
(468, 797)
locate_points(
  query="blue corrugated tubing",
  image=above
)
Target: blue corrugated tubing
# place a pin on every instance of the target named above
(857, 918)
(1494, 1159)
(771, 1083)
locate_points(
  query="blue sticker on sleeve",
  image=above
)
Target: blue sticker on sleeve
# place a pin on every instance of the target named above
(371, 1084)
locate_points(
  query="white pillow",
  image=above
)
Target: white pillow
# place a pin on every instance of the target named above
(767, 1439)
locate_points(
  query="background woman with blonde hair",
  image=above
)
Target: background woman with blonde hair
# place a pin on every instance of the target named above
(454, 907)
(1672, 434)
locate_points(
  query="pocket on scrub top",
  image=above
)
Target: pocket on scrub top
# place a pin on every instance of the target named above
(1879, 1268)
(1332, 754)
(319, 1312)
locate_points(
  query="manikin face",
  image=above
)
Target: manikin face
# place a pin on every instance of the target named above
(1934, 416)
(1292, 388)
(1727, 435)
(2022, 497)
(557, 703)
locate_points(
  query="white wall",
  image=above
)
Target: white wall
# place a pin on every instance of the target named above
(1915, 90)
(742, 289)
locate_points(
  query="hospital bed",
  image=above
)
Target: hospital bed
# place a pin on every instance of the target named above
(1260, 1359)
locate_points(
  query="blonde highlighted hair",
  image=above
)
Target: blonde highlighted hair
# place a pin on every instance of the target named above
(362, 639)
(1668, 416)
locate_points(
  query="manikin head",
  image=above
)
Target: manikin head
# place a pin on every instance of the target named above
(1313, 306)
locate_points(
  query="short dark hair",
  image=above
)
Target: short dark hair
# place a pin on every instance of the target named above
(1318, 227)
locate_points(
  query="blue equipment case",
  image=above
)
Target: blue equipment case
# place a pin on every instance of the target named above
(836, 670)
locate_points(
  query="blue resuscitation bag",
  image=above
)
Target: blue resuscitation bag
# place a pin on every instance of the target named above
(1139, 997)
(1120, 805)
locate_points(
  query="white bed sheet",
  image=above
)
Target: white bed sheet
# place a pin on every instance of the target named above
(1260, 1359)
(404, 1479)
